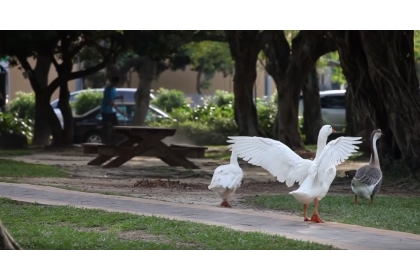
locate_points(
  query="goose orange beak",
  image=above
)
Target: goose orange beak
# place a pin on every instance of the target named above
(333, 130)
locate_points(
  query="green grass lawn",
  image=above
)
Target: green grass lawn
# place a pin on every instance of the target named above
(218, 152)
(57, 227)
(218, 155)
(11, 168)
(387, 212)
(12, 153)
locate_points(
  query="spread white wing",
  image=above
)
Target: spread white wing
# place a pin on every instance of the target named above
(336, 152)
(274, 156)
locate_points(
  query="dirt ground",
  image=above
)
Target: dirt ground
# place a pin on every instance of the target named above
(151, 178)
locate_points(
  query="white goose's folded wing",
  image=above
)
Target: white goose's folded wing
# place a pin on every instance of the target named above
(274, 156)
(226, 176)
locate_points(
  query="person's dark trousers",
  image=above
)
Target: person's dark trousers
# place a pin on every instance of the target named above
(109, 120)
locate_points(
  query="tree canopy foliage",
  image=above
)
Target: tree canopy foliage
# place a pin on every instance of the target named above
(59, 48)
(207, 58)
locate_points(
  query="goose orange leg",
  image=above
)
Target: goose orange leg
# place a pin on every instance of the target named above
(371, 199)
(225, 203)
(305, 213)
(355, 199)
(315, 216)
(226, 196)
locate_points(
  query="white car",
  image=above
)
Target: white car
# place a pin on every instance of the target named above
(333, 108)
(127, 93)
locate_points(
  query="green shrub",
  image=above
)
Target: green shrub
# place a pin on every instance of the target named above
(169, 99)
(86, 101)
(12, 124)
(224, 97)
(204, 125)
(212, 123)
(202, 133)
(220, 98)
(23, 105)
(267, 112)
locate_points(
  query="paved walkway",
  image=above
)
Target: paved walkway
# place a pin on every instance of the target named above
(340, 235)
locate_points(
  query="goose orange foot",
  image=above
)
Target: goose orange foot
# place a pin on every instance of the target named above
(305, 210)
(355, 200)
(225, 204)
(316, 219)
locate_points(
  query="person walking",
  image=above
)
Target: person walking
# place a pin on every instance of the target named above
(108, 108)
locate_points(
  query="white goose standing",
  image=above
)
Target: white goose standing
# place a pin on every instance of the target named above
(314, 177)
(226, 179)
(368, 179)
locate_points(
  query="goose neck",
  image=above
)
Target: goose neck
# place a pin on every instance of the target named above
(374, 159)
(234, 158)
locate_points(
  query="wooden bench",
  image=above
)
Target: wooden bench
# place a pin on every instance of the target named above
(189, 151)
(91, 148)
(143, 141)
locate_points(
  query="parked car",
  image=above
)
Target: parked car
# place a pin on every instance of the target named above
(126, 93)
(88, 127)
(333, 108)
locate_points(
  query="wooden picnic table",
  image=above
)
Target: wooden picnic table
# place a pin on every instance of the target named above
(144, 141)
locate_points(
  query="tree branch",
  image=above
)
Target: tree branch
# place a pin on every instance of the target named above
(131, 63)
(55, 63)
(6, 240)
(76, 75)
(25, 64)
(78, 48)
(262, 63)
(128, 65)
(32, 79)
(87, 72)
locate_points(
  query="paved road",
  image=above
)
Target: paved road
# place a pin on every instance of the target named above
(340, 235)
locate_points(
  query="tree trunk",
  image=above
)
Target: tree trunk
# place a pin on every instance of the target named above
(44, 95)
(307, 48)
(287, 121)
(245, 110)
(6, 240)
(354, 65)
(198, 81)
(278, 56)
(65, 108)
(244, 47)
(146, 73)
(42, 131)
(63, 136)
(381, 68)
(355, 126)
(312, 117)
(53, 121)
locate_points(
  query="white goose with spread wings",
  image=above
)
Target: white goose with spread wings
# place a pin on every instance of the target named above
(314, 177)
